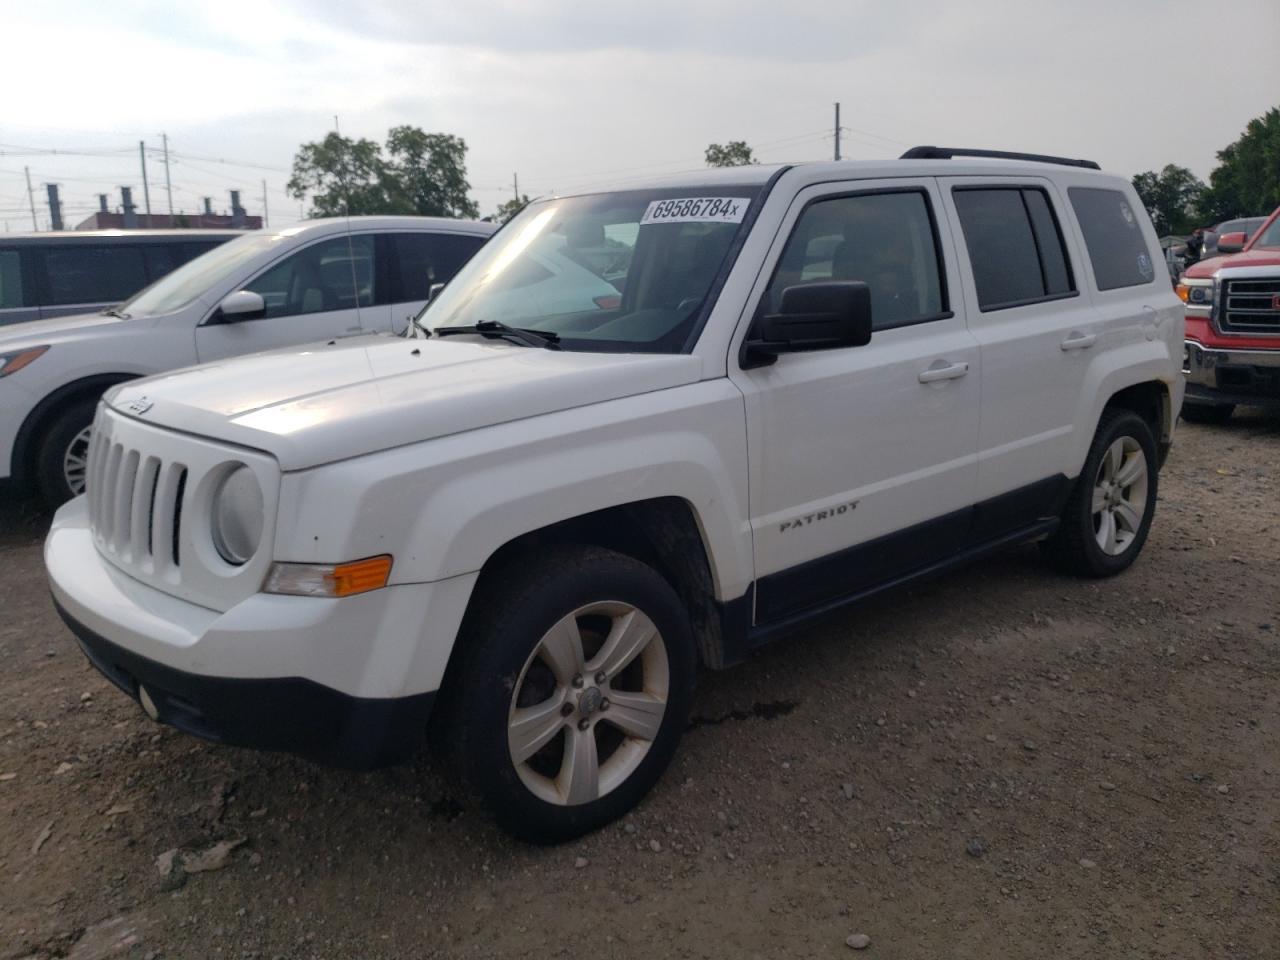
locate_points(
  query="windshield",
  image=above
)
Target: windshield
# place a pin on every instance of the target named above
(1269, 237)
(611, 272)
(175, 290)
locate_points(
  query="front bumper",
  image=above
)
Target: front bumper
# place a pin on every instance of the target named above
(328, 679)
(1227, 375)
(290, 713)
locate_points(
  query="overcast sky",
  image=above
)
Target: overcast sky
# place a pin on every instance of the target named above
(572, 94)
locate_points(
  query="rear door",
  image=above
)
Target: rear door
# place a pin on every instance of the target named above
(1036, 332)
(862, 459)
(314, 293)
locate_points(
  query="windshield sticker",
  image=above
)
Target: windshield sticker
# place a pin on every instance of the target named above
(696, 210)
(1145, 269)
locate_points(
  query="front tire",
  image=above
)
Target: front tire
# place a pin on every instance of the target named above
(1108, 515)
(63, 456)
(572, 691)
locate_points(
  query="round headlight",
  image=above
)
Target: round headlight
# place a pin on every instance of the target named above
(238, 516)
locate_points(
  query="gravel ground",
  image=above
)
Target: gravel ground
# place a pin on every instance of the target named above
(999, 763)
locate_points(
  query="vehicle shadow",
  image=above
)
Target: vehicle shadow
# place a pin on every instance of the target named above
(23, 516)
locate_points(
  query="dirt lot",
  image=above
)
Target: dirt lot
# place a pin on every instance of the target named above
(1001, 763)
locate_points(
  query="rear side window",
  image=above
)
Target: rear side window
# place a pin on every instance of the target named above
(10, 279)
(886, 240)
(1015, 246)
(420, 259)
(106, 273)
(1113, 236)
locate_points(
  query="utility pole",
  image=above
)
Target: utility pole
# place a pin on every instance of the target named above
(515, 186)
(837, 131)
(146, 190)
(55, 207)
(265, 222)
(164, 137)
(31, 198)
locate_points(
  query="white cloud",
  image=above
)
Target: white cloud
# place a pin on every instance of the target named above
(568, 93)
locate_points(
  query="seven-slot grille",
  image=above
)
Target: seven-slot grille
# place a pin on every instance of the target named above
(135, 504)
(1251, 305)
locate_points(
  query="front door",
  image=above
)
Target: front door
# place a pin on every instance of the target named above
(313, 294)
(862, 459)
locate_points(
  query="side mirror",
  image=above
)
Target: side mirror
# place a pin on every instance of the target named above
(811, 316)
(241, 305)
(1232, 242)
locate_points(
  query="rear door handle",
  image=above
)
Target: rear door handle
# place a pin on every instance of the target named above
(1079, 341)
(942, 370)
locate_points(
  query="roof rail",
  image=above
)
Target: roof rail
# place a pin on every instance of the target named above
(946, 153)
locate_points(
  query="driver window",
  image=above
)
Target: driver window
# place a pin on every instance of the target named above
(336, 274)
(886, 240)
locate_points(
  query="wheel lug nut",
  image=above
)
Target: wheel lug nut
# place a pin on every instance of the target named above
(566, 709)
(601, 677)
(578, 681)
(604, 704)
(584, 723)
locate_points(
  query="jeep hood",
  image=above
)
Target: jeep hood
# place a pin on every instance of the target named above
(322, 403)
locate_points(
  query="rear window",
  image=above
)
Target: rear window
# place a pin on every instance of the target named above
(421, 259)
(1015, 246)
(1113, 237)
(106, 273)
(10, 279)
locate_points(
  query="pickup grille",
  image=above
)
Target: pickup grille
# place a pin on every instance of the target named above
(1251, 305)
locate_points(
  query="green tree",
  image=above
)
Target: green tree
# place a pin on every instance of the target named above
(1246, 181)
(342, 176)
(429, 173)
(511, 207)
(1172, 197)
(735, 153)
(421, 173)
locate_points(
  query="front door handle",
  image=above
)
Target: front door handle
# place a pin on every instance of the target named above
(1079, 341)
(942, 370)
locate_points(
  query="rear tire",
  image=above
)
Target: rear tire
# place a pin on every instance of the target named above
(1208, 413)
(63, 455)
(1108, 515)
(571, 693)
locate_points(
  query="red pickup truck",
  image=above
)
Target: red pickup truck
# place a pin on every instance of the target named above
(1232, 352)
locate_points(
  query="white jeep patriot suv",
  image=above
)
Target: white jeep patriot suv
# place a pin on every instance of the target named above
(525, 523)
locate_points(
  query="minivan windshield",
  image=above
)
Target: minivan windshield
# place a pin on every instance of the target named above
(175, 290)
(625, 271)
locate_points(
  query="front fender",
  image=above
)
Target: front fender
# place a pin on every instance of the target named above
(443, 507)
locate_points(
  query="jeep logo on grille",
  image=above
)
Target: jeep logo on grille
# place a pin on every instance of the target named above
(140, 405)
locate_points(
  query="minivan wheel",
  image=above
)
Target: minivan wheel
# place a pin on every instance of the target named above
(1108, 515)
(1210, 413)
(572, 692)
(63, 457)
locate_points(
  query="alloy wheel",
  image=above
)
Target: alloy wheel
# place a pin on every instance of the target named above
(588, 703)
(1120, 496)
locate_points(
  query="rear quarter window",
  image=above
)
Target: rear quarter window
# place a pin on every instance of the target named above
(1113, 237)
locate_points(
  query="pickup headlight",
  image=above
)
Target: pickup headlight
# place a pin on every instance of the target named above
(13, 362)
(238, 516)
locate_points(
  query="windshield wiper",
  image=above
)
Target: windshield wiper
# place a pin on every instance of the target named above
(496, 329)
(115, 312)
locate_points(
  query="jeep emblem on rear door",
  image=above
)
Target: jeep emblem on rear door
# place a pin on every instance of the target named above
(140, 406)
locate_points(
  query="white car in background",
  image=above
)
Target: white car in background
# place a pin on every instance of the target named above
(314, 281)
